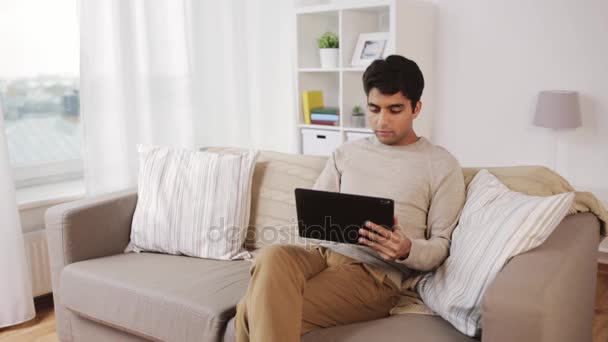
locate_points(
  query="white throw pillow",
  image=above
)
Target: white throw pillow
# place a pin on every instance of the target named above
(495, 225)
(193, 203)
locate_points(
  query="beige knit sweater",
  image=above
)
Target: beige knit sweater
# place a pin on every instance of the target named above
(425, 181)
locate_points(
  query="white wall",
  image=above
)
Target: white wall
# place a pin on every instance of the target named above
(492, 59)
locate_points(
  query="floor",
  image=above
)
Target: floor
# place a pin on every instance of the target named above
(600, 321)
(42, 328)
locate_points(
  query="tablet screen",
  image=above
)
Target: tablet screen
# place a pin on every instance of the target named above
(334, 216)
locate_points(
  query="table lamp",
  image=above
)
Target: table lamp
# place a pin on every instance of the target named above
(557, 109)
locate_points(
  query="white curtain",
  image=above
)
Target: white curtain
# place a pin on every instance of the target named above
(16, 301)
(188, 73)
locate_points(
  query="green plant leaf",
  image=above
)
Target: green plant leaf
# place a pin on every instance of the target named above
(328, 40)
(357, 111)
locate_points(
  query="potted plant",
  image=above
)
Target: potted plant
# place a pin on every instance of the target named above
(358, 117)
(328, 48)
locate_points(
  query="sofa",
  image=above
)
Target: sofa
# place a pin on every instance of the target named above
(103, 294)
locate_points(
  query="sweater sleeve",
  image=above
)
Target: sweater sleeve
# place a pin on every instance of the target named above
(447, 201)
(329, 179)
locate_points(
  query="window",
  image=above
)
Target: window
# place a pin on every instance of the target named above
(39, 90)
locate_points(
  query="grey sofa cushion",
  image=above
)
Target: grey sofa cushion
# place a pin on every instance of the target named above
(163, 297)
(398, 328)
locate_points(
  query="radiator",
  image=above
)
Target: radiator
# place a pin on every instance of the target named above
(37, 253)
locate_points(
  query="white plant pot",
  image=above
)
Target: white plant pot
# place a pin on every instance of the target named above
(329, 58)
(358, 121)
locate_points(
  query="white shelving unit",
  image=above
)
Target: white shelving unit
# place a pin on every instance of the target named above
(411, 28)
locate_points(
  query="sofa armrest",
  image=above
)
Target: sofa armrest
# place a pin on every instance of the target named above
(90, 228)
(548, 293)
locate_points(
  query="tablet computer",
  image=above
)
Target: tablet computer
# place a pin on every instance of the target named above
(335, 216)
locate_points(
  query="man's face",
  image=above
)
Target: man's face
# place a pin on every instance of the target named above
(391, 117)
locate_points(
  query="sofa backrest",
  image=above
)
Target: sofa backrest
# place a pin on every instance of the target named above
(273, 208)
(273, 218)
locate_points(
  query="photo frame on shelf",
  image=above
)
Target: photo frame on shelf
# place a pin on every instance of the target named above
(370, 46)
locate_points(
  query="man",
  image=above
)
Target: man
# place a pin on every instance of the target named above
(294, 290)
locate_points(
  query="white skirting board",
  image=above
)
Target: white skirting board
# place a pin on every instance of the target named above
(37, 253)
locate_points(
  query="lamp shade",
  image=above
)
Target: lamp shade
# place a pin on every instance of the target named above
(558, 109)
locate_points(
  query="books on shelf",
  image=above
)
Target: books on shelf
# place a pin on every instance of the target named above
(325, 123)
(314, 111)
(326, 110)
(311, 99)
(325, 116)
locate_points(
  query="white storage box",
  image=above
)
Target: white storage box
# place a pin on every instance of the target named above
(357, 135)
(320, 142)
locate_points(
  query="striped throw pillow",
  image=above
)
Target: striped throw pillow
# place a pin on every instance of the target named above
(495, 225)
(192, 203)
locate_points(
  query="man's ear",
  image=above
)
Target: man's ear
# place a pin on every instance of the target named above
(417, 109)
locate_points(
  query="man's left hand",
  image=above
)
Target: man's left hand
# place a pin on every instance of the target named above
(390, 245)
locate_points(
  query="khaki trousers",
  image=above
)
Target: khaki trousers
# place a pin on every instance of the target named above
(294, 290)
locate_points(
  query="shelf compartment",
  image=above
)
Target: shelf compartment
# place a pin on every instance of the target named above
(310, 27)
(361, 20)
(327, 82)
(352, 95)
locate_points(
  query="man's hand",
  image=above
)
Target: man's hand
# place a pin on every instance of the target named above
(391, 245)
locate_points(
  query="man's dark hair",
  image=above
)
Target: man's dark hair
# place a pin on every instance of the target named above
(393, 74)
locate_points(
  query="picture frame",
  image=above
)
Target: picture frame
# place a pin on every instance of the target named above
(370, 46)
